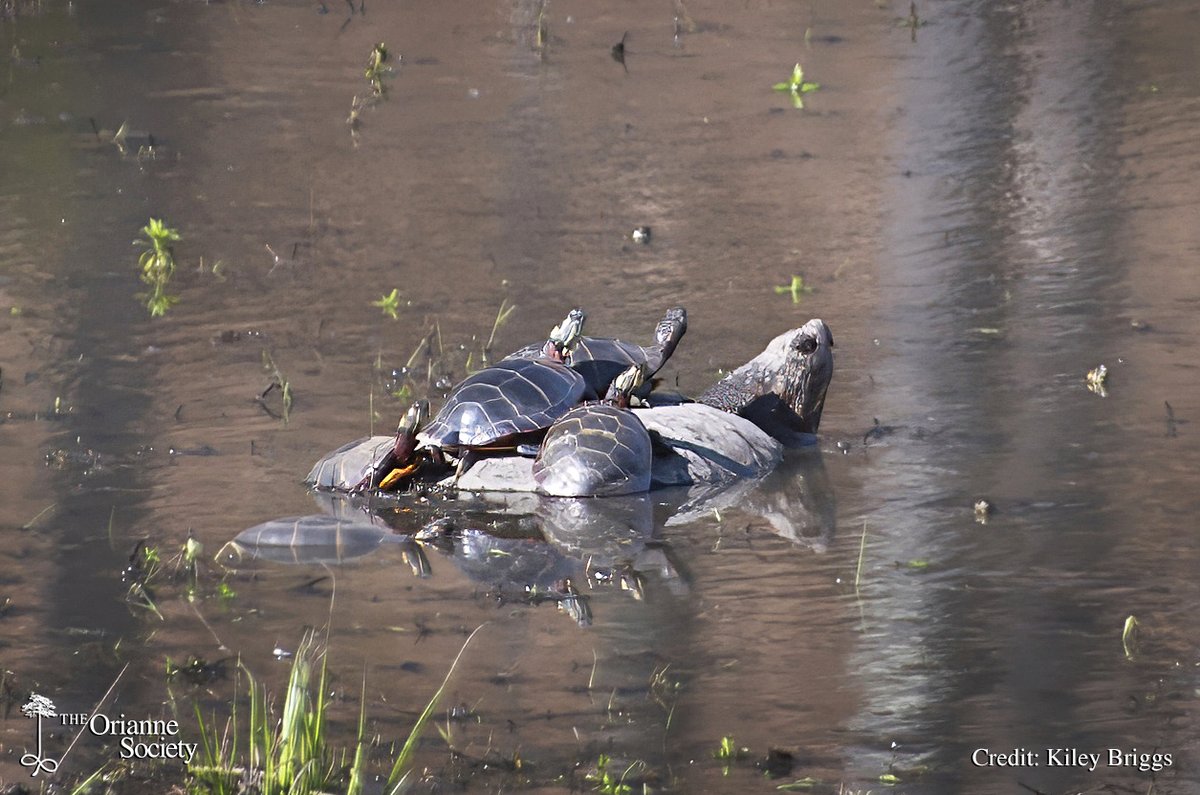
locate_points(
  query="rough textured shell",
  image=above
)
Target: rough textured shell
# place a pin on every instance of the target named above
(345, 467)
(594, 450)
(512, 397)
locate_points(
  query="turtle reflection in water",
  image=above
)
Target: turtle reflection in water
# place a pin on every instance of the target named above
(572, 546)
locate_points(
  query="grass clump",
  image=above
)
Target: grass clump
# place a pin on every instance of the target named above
(280, 757)
(290, 755)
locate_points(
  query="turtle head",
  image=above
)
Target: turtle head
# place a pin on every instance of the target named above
(670, 330)
(782, 390)
(406, 430)
(565, 335)
(625, 384)
(806, 372)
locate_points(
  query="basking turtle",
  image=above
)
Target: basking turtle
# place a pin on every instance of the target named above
(366, 463)
(738, 428)
(734, 432)
(601, 359)
(597, 449)
(497, 406)
(782, 390)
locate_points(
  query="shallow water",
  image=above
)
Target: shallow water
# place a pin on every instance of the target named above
(984, 214)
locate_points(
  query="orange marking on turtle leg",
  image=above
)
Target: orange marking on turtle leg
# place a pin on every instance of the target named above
(396, 475)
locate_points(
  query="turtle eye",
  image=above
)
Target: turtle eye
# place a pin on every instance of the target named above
(806, 345)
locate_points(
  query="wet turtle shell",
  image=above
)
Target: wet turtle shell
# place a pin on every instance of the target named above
(594, 450)
(504, 401)
(601, 359)
(346, 467)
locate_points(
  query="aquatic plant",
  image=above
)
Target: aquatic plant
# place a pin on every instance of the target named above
(912, 21)
(390, 303)
(280, 382)
(502, 314)
(797, 86)
(728, 751)
(377, 67)
(145, 565)
(158, 264)
(398, 777)
(288, 756)
(796, 289)
(606, 782)
(1129, 637)
(862, 551)
(1097, 380)
(542, 29)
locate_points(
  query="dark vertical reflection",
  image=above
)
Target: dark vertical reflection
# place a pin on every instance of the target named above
(1003, 257)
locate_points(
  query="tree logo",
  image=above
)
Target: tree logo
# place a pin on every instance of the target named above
(39, 707)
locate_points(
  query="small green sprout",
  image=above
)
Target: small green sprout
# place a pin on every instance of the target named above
(225, 591)
(389, 303)
(795, 289)
(377, 68)
(1129, 637)
(158, 264)
(797, 86)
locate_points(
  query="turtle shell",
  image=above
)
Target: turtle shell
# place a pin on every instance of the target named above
(601, 359)
(510, 398)
(345, 467)
(594, 450)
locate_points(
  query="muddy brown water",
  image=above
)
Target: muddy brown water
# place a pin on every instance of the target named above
(983, 214)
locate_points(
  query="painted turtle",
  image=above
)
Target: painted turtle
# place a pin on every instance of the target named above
(366, 463)
(737, 432)
(597, 449)
(601, 359)
(496, 408)
(734, 433)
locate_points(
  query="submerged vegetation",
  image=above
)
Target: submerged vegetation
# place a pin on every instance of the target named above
(158, 264)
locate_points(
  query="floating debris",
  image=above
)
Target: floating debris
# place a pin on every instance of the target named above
(641, 235)
(983, 510)
(1097, 380)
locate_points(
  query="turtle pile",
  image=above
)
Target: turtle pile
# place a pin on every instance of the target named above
(576, 416)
